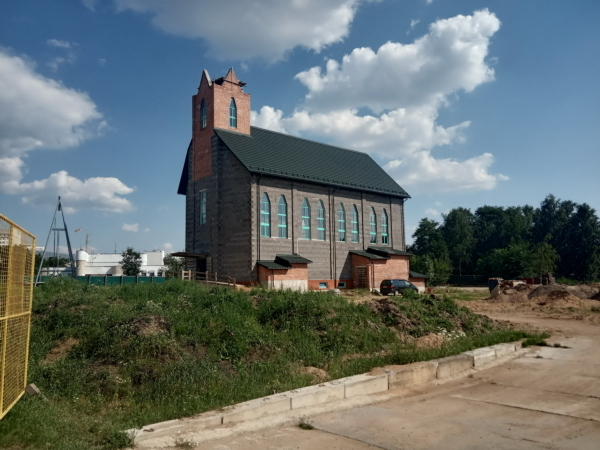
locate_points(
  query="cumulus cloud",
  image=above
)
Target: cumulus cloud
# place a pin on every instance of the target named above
(40, 113)
(245, 29)
(98, 193)
(387, 103)
(432, 212)
(133, 227)
(167, 247)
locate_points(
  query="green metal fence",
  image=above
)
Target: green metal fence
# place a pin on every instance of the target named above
(102, 280)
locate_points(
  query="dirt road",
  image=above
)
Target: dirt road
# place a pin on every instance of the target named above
(546, 399)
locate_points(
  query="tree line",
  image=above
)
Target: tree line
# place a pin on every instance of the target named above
(561, 237)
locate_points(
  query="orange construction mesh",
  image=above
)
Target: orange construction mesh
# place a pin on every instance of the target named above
(17, 258)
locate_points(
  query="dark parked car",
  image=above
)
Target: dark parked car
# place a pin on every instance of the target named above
(396, 287)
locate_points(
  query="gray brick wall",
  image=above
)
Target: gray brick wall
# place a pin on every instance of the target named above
(232, 232)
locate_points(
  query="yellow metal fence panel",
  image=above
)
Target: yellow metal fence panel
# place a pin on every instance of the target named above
(17, 259)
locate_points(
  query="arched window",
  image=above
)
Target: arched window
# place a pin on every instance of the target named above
(232, 114)
(320, 221)
(265, 216)
(384, 228)
(282, 218)
(203, 114)
(341, 220)
(202, 207)
(373, 227)
(354, 220)
(305, 219)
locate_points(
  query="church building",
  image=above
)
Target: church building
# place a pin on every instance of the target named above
(265, 207)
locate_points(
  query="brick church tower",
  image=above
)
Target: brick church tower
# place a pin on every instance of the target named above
(220, 103)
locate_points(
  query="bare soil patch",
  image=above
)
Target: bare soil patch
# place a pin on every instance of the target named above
(554, 301)
(60, 351)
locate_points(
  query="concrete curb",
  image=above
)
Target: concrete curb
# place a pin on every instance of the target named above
(393, 377)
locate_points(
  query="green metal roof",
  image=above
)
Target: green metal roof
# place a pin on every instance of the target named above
(417, 275)
(271, 153)
(367, 254)
(272, 265)
(292, 259)
(387, 251)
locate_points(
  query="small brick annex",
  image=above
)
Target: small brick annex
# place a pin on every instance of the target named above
(369, 269)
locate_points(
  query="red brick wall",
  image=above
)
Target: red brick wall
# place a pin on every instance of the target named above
(418, 282)
(381, 269)
(395, 267)
(217, 98)
(297, 272)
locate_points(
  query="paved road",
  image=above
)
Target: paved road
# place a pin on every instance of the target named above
(548, 399)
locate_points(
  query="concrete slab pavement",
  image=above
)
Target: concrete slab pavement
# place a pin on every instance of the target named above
(547, 400)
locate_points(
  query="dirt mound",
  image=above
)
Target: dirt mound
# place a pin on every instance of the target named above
(387, 307)
(558, 299)
(510, 292)
(150, 326)
(60, 351)
(319, 375)
(431, 340)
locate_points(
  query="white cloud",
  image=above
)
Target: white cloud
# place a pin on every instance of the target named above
(59, 43)
(57, 61)
(102, 194)
(269, 118)
(133, 227)
(432, 212)
(40, 113)
(450, 58)
(403, 86)
(245, 29)
(167, 247)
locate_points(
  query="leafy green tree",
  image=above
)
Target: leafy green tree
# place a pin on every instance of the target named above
(544, 258)
(131, 262)
(429, 240)
(582, 261)
(173, 265)
(459, 237)
(487, 229)
(437, 270)
(514, 261)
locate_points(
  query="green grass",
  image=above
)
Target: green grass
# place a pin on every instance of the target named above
(148, 353)
(464, 295)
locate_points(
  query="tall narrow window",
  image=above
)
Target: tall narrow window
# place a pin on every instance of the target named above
(202, 207)
(341, 220)
(203, 114)
(320, 221)
(282, 218)
(384, 228)
(232, 114)
(305, 219)
(265, 216)
(354, 219)
(373, 227)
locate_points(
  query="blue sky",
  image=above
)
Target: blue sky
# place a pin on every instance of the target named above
(465, 103)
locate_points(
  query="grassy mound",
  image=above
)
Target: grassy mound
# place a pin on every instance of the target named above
(112, 358)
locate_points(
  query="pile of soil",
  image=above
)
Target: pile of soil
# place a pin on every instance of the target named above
(554, 300)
